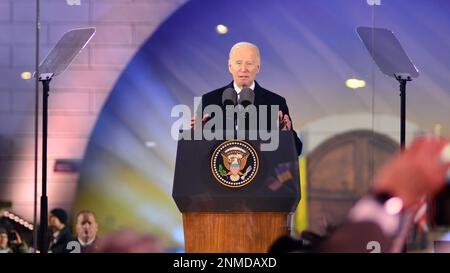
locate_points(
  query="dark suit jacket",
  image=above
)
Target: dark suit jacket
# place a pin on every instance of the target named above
(262, 97)
(59, 244)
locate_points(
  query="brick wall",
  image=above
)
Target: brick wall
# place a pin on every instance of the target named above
(76, 96)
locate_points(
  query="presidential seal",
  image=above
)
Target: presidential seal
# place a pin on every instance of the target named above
(234, 163)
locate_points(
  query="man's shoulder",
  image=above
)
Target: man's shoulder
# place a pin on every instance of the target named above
(215, 92)
(214, 96)
(270, 95)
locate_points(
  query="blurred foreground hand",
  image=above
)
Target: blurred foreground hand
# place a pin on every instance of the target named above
(127, 241)
(418, 171)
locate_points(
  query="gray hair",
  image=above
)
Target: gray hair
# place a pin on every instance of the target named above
(245, 44)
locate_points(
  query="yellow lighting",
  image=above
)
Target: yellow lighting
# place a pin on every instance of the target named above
(355, 83)
(438, 130)
(25, 75)
(221, 29)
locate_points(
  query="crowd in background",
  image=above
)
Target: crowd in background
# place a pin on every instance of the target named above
(84, 240)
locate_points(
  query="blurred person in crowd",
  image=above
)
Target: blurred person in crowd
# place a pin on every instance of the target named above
(128, 241)
(87, 228)
(61, 234)
(381, 220)
(11, 242)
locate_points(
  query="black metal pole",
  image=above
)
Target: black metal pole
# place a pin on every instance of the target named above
(403, 81)
(36, 129)
(402, 113)
(44, 200)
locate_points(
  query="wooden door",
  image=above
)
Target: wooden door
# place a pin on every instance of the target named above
(340, 171)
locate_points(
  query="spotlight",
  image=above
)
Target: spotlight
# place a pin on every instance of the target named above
(150, 144)
(355, 83)
(221, 29)
(25, 75)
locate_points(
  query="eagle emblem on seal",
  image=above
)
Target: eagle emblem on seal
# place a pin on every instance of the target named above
(234, 163)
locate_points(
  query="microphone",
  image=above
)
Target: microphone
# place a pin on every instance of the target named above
(229, 100)
(229, 97)
(246, 97)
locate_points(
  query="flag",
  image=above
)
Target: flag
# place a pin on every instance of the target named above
(421, 218)
(301, 214)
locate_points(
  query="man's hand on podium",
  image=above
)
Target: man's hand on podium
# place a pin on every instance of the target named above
(204, 120)
(285, 122)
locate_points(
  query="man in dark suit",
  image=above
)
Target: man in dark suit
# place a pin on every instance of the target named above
(60, 232)
(244, 65)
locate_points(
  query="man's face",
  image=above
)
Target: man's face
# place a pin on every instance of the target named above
(86, 226)
(3, 240)
(244, 65)
(53, 223)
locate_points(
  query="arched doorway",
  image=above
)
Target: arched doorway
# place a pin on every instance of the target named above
(340, 171)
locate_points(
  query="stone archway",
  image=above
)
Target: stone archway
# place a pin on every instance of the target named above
(340, 171)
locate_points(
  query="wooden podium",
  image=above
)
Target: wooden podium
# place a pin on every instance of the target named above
(221, 219)
(236, 232)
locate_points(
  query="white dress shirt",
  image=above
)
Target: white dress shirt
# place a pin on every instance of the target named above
(238, 89)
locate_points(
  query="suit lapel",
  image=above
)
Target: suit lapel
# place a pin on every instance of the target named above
(259, 95)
